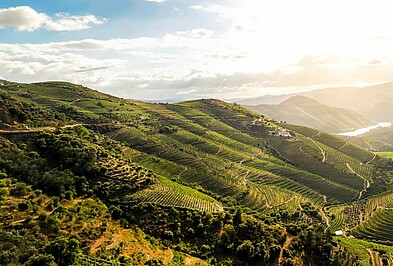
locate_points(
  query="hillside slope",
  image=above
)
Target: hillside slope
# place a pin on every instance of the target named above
(380, 139)
(305, 111)
(374, 102)
(202, 177)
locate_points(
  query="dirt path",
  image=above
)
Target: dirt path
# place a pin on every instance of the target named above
(182, 172)
(42, 129)
(244, 179)
(252, 157)
(77, 100)
(366, 183)
(322, 151)
(372, 257)
(286, 244)
(318, 134)
(375, 156)
(368, 143)
(219, 150)
(342, 147)
(325, 218)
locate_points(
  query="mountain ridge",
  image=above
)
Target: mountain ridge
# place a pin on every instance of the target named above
(306, 111)
(201, 177)
(373, 102)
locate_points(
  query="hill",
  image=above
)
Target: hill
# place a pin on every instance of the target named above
(305, 111)
(201, 181)
(373, 102)
(380, 139)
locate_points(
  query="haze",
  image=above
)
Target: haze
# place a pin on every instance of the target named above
(161, 49)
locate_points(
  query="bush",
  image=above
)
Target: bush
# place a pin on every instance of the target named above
(3, 193)
(154, 262)
(23, 206)
(19, 190)
(64, 250)
(41, 260)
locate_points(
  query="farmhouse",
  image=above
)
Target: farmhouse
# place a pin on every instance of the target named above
(284, 133)
(339, 233)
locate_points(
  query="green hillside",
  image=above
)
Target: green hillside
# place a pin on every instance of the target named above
(380, 139)
(202, 180)
(304, 111)
(374, 103)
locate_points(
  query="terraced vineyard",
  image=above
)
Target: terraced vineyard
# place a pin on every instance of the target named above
(368, 253)
(335, 143)
(378, 227)
(209, 156)
(266, 197)
(381, 201)
(369, 219)
(338, 218)
(123, 171)
(177, 196)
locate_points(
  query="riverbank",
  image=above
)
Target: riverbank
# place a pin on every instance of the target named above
(364, 130)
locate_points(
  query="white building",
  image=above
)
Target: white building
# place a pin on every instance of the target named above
(284, 133)
(339, 233)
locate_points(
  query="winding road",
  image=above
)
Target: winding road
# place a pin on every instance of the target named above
(322, 151)
(365, 181)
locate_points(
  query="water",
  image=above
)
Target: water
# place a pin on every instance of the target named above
(364, 130)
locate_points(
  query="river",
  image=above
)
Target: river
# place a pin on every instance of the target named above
(364, 130)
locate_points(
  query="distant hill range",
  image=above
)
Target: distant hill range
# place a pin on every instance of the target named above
(380, 139)
(305, 111)
(374, 103)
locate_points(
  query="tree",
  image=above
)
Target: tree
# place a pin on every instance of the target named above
(19, 190)
(246, 250)
(41, 260)
(64, 250)
(3, 193)
(8, 256)
(238, 217)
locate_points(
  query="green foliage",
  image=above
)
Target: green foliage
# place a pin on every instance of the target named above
(19, 190)
(41, 260)
(3, 193)
(64, 250)
(204, 177)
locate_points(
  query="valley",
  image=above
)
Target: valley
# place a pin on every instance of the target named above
(365, 130)
(199, 181)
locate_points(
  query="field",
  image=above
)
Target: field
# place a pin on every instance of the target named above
(212, 167)
(386, 154)
(368, 253)
(169, 193)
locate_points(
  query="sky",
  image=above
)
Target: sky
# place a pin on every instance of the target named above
(186, 49)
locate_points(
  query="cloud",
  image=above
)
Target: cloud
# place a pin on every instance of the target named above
(181, 92)
(66, 22)
(157, 1)
(24, 18)
(197, 33)
(184, 64)
(251, 48)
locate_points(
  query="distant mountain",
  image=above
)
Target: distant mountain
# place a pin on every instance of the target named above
(267, 99)
(305, 111)
(374, 102)
(380, 139)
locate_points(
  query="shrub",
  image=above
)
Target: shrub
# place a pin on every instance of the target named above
(3, 193)
(19, 190)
